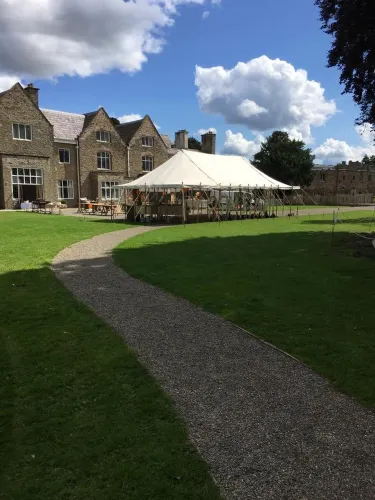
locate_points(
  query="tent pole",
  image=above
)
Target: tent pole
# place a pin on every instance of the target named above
(183, 205)
(276, 202)
(228, 203)
(219, 207)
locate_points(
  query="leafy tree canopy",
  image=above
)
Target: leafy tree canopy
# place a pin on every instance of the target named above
(194, 143)
(368, 160)
(351, 24)
(285, 159)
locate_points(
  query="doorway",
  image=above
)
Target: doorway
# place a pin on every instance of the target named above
(28, 192)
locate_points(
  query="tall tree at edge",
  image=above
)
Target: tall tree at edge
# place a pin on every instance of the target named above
(351, 24)
(285, 159)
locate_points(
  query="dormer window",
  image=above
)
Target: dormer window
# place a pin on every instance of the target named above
(103, 136)
(21, 132)
(147, 141)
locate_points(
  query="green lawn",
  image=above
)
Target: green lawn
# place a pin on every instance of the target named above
(280, 279)
(80, 418)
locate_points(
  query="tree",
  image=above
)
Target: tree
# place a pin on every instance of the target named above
(193, 143)
(285, 159)
(368, 160)
(115, 120)
(351, 23)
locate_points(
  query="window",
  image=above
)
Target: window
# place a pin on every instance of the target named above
(343, 177)
(66, 190)
(353, 178)
(33, 176)
(64, 155)
(370, 177)
(148, 141)
(104, 160)
(322, 177)
(110, 190)
(147, 163)
(103, 136)
(21, 132)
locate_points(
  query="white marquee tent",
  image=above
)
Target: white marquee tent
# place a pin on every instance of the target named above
(192, 169)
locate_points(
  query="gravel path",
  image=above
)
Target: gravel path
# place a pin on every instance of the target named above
(269, 427)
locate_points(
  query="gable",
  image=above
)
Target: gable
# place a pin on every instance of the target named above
(14, 102)
(147, 127)
(99, 120)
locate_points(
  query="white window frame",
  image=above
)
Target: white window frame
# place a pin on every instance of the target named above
(24, 176)
(105, 190)
(16, 126)
(69, 186)
(104, 157)
(64, 162)
(146, 159)
(101, 134)
(147, 141)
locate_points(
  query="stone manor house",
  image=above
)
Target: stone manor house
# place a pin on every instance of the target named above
(54, 155)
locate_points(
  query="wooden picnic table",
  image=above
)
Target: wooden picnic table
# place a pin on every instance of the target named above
(103, 208)
(42, 206)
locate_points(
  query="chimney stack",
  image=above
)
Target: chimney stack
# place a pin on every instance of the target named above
(209, 143)
(33, 93)
(181, 139)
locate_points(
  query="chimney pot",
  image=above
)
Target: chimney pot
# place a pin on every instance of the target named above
(181, 139)
(209, 143)
(33, 93)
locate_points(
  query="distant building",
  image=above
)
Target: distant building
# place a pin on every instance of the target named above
(57, 155)
(352, 178)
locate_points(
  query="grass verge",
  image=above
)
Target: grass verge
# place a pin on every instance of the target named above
(280, 279)
(80, 418)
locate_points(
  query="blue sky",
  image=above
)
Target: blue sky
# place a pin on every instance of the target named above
(165, 86)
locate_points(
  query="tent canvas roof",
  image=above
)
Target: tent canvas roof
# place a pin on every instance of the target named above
(195, 169)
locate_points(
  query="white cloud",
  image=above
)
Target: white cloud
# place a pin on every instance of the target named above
(264, 94)
(333, 151)
(7, 81)
(130, 118)
(202, 131)
(50, 38)
(237, 144)
(205, 14)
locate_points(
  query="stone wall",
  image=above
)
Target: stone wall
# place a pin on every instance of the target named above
(88, 149)
(159, 151)
(343, 180)
(16, 107)
(66, 171)
(47, 191)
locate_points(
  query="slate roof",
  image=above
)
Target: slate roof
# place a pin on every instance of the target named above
(66, 126)
(89, 118)
(167, 140)
(127, 130)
